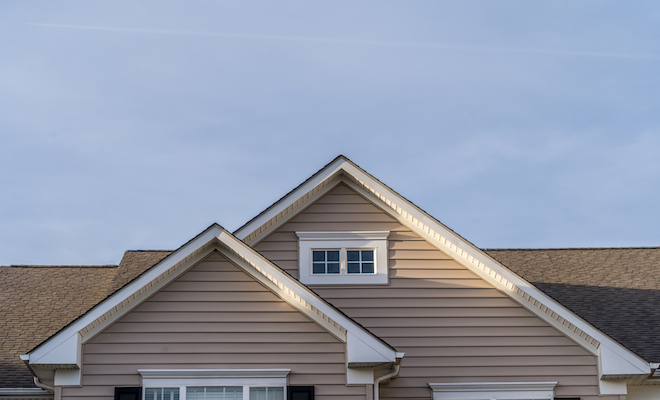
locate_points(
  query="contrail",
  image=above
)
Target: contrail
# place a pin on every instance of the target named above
(313, 39)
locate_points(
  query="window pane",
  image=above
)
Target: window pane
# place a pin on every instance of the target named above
(333, 268)
(318, 268)
(353, 268)
(367, 255)
(353, 255)
(368, 268)
(333, 255)
(318, 256)
(214, 393)
(161, 394)
(267, 393)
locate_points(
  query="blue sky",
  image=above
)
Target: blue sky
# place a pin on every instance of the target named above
(137, 124)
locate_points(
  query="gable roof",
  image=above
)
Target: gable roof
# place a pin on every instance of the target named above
(37, 301)
(615, 289)
(63, 351)
(615, 360)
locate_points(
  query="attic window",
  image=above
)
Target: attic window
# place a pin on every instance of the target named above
(358, 257)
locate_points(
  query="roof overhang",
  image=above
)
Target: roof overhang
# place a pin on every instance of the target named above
(616, 363)
(63, 351)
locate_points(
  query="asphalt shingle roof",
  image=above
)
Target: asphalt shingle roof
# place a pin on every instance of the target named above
(615, 289)
(37, 301)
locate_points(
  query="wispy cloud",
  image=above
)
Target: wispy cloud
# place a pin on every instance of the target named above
(316, 39)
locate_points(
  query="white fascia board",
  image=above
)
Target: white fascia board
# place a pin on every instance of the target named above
(495, 273)
(64, 337)
(374, 348)
(335, 166)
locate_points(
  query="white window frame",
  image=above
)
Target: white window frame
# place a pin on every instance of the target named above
(493, 391)
(343, 241)
(182, 378)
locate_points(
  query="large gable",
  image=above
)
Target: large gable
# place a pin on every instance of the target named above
(616, 362)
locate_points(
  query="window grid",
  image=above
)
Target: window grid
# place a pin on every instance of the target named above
(343, 261)
(360, 261)
(325, 262)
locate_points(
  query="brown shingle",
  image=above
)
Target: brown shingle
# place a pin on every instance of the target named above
(38, 301)
(615, 289)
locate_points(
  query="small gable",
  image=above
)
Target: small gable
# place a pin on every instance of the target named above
(213, 316)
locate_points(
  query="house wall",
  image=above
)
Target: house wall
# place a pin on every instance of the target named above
(214, 316)
(452, 325)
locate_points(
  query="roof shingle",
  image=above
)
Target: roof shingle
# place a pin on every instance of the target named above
(37, 301)
(617, 290)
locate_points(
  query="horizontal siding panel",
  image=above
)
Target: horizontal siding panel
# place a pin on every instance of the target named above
(347, 217)
(438, 312)
(215, 327)
(425, 264)
(214, 286)
(342, 226)
(279, 236)
(348, 198)
(494, 351)
(310, 369)
(417, 255)
(275, 256)
(414, 323)
(514, 373)
(378, 293)
(215, 296)
(174, 317)
(404, 234)
(226, 348)
(195, 337)
(567, 381)
(290, 245)
(439, 283)
(467, 332)
(348, 303)
(214, 306)
(221, 359)
(208, 276)
(481, 341)
(497, 361)
(410, 245)
(215, 266)
(421, 274)
(329, 208)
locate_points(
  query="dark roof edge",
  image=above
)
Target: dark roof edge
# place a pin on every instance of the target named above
(573, 248)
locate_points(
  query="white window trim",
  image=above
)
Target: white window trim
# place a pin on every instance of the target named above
(354, 240)
(493, 391)
(182, 378)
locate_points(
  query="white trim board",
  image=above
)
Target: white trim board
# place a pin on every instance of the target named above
(614, 359)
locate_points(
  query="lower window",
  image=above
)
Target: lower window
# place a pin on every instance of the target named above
(214, 384)
(216, 393)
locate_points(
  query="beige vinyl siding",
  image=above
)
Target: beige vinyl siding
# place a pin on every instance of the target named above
(452, 325)
(214, 316)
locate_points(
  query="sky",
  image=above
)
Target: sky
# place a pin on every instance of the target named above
(131, 125)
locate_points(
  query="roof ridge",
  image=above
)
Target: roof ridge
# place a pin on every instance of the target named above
(572, 248)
